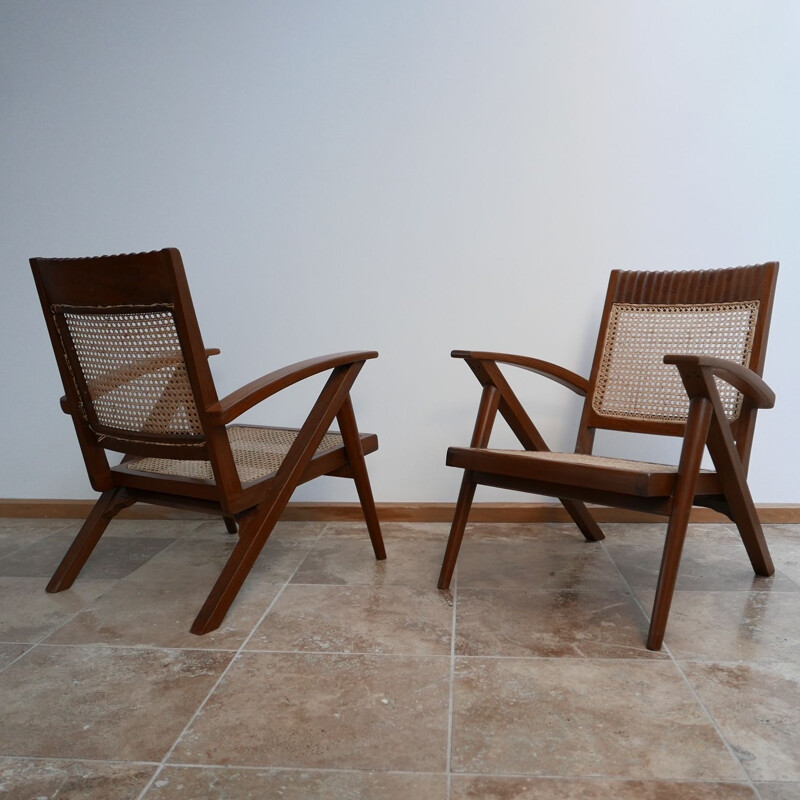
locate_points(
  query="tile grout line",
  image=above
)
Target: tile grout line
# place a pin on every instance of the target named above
(281, 586)
(685, 678)
(713, 721)
(287, 768)
(116, 582)
(630, 589)
(227, 669)
(451, 698)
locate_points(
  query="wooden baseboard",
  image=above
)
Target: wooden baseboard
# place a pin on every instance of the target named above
(393, 512)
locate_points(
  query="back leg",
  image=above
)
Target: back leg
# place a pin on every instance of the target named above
(230, 524)
(108, 505)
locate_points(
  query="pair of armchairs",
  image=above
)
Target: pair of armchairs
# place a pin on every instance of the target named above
(679, 354)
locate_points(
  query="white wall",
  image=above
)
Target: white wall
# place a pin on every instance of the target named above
(407, 176)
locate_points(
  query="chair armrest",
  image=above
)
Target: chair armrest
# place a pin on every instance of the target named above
(212, 351)
(565, 377)
(751, 385)
(239, 401)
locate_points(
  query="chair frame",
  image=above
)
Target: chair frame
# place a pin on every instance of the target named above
(159, 278)
(669, 494)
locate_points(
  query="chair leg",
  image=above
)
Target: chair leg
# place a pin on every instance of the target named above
(230, 524)
(752, 534)
(355, 455)
(740, 502)
(253, 536)
(108, 505)
(256, 529)
(583, 519)
(667, 577)
(743, 513)
(697, 426)
(463, 506)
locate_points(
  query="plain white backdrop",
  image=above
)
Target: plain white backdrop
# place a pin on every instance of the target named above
(410, 177)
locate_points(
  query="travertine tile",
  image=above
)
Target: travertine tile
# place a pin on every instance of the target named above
(204, 558)
(111, 558)
(148, 528)
(29, 613)
(576, 717)
(345, 689)
(582, 624)
(541, 532)
(16, 534)
(358, 619)
(526, 564)
(176, 783)
(158, 603)
(344, 558)
(757, 707)
(703, 567)
(23, 779)
(788, 535)
(31, 526)
(732, 626)
(308, 531)
(102, 703)
(502, 788)
(786, 557)
(653, 533)
(325, 711)
(9, 652)
(392, 531)
(779, 791)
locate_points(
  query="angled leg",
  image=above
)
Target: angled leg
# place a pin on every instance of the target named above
(230, 524)
(252, 537)
(688, 469)
(108, 505)
(528, 434)
(737, 493)
(487, 411)
(583, 519)
(355, 455)
(465, 497)
(256, 529)
(531, 439)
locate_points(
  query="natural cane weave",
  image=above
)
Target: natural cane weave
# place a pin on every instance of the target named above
(257, 452)
(592, 460)
(130, 362)
(634, 382)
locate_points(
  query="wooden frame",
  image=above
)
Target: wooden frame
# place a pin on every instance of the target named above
(157, 280)
(641, 488)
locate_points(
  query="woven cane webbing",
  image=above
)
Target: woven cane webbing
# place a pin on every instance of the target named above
(592, 460)
(257, 452)
(633, 382)
(133, 369)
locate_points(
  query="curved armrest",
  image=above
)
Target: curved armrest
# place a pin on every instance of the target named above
(239, 401)
(556, 373)
(751, 385)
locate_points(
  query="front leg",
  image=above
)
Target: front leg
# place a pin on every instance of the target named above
(487, 411)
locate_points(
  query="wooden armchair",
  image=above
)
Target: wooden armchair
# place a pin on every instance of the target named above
(678, 354)
(137, 382)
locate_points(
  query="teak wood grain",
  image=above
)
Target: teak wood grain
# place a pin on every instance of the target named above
(706, 424)
(152, 284)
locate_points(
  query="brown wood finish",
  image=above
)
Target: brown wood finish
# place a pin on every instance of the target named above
(142, 283)
(630, 486)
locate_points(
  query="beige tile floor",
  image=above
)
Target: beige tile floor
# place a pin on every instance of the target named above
(336, 676)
